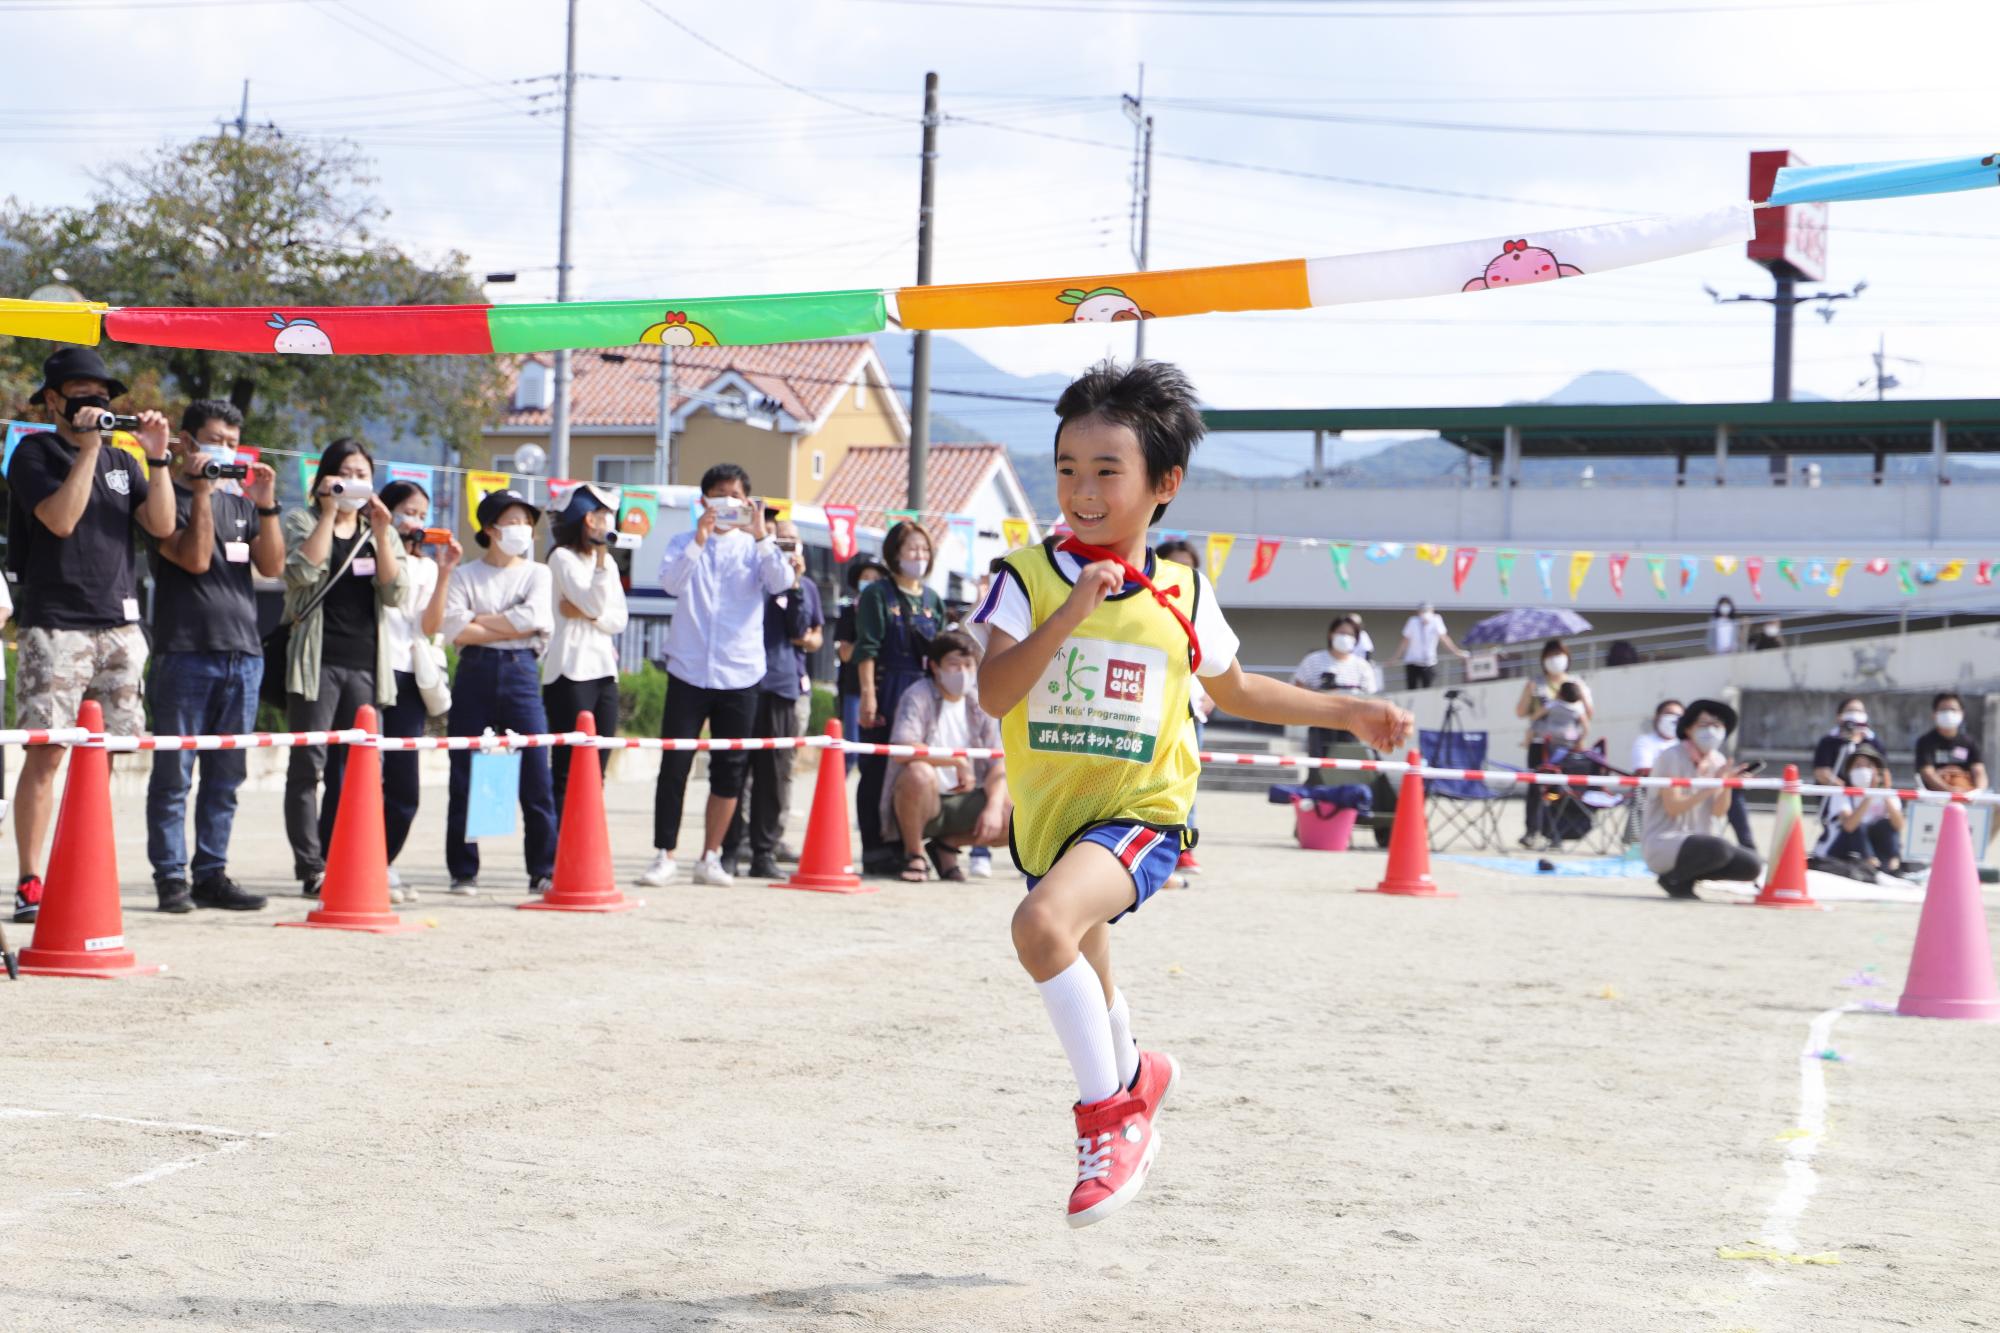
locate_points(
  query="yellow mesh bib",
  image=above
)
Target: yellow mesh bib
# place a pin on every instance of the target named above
(1105, 734)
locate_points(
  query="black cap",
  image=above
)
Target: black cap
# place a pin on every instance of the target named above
(78, 363)
(499, 501)
(1714, 708)
(1863, 751)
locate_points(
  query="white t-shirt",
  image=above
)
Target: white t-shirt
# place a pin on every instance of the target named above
(1646, 749)
(403, 625)
(1351, 675)
(951, 732)
(1875, 810)
(1424, 631)
(1007, 609)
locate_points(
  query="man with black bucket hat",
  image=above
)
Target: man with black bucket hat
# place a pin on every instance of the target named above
(1681, 845)
(72, 506)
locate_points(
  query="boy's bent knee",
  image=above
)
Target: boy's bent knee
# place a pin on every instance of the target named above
(1042, 939)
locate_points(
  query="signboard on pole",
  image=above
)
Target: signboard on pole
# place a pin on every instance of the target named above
(1790, 241)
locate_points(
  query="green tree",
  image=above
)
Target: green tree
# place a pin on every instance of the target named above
(255, 221)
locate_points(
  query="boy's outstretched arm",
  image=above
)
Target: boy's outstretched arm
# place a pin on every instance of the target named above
(1378, 722)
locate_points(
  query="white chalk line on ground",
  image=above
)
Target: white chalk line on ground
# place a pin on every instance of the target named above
(1801, 1181)
(233, 1141)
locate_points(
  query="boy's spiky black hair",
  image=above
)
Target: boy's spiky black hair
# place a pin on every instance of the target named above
(1154, 399)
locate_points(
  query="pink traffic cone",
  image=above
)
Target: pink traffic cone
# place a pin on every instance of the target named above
(1951, 967)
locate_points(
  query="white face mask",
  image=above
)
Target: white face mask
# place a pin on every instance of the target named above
(1859, 719)
(1556, 664)
(1708, 739)
(954, 681)
(912, 569)
(516, 538)
(1861, 775)
(224, 454)
(1669, 726)
(1344, 643)
(1949, 718)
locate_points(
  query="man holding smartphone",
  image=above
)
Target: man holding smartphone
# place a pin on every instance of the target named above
(794, 625)
(72, 506)
(208, 659)
(719, 575)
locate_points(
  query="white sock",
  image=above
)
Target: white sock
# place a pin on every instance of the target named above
(1074, 998)
(1121, 1039)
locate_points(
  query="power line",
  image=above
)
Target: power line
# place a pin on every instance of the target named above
(1480, 12)
(766, 74)
(1567, 131)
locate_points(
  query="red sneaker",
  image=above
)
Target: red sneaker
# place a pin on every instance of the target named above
(1115, 1143)
(28, 899)
(1159, 1073)
(1188, 863)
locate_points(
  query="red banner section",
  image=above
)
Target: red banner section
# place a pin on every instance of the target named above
(309, 330)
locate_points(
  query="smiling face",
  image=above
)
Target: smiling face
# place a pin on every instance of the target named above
(1102, 486)
(416, 506)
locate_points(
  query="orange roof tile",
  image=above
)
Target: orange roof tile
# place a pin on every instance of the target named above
(804, 377)
(875, 478)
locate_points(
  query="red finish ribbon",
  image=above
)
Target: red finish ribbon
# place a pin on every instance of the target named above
(1089, 554)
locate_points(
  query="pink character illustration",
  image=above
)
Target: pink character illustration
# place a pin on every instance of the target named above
(1517, 263)
(1101, 305)
(299, 337)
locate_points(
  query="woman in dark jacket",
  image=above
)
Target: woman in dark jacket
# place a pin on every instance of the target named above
(896, 619)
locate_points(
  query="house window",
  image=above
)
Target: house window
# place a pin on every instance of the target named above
(819, 465)
(624, 470)
(861, 394)
(535, 389)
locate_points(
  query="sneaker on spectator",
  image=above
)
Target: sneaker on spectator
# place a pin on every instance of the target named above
(785, 857)
(1187, 863)
(660, 871)
(27, 898)
(465, 888)
(541, 884)
(979, 863)
(174, 896)
(223, 892)
(765, 867)
(709, 870)
(395, 882)
(1115, 1146)
(309, 886)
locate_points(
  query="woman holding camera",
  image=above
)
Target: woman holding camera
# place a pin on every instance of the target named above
(897, 618)
(344, 579)
(580, 669)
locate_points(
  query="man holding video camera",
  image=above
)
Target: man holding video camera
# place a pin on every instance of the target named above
(208, 659)
(719, 575)
(72, 504)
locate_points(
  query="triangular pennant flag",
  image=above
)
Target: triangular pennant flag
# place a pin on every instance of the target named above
(1952, 572)
(1014, 531)
(1983, 576)
(1689, 568)
(780, 506)
(1754, 567)
(1218, 553)
(891, 517)
(1382, 553)
(1579, 566)
(1617, 563)
(1431, 554)
(1656, 565)
(1340, 551)
(1266, 556)
(1503, 565)
(1461, 565)
(1817, 575)
(1927, 571)
(1788, 570)
(842, 522)
(1839, 579)
(1878, 566)
(1725, 564)
(1545, 563)
(1903, 578)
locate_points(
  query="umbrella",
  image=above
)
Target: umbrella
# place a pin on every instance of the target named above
(1524, 624)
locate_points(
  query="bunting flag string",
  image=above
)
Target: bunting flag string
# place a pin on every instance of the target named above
(1544, 566)
(1754, 567)
(1461, 565)
(1839, 579)
(1656, 566)
(1579, 567)
(746, 321)
(1616, 566)
(1503, 565)
(1218, 553)
(1340, 551)
(1265, 556)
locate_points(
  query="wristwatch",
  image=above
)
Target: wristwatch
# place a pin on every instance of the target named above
(272, 512)
(151, 461)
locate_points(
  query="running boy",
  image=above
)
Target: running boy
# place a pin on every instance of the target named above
(1091, 649)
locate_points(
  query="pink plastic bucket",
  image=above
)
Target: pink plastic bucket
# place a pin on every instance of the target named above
(1323, 833)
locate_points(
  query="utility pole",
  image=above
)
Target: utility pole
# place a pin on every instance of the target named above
(243, 114)
(1142, 190)
(559, 413)
(920, 366)
(663, 441)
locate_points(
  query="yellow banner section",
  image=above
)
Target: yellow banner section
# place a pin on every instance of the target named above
(54, 321)
(1108, 299)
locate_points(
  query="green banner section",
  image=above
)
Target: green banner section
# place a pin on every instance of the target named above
(733, 321)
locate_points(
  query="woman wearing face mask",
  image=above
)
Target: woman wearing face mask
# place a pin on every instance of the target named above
(1681, 845)
(344, 579)
(1540, 696)
(1339, 668)
(1864, 829)
(1666, 732)
(580, 670)
(896, 618)
(846, 632)
(417, 620)
(1947, 758)
(500, 613)
(1722, 627)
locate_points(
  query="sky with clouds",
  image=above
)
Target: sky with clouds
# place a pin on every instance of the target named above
(773, 145)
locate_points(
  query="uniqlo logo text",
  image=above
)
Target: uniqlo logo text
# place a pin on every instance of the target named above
(1125, 680)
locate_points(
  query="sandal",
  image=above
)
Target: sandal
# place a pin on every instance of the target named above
(945, 857)
(916, 870)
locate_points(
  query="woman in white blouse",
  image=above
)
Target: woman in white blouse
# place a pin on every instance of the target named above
(580, 669)
(418, 619)
(1339, 667)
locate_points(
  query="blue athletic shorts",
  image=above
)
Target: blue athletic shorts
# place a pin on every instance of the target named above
(1147, 853)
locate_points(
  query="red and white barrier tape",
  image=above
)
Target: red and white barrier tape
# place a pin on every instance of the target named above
(1493, 778)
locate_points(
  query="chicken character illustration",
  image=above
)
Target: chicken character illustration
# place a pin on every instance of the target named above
(677, 330)
(1101, 305)
(1517, 263)
(299, 337)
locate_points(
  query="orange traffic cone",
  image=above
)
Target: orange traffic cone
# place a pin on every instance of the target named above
(1785, 883)
(1951, 966)
(81, 929)
(355, 892)
(1409, 872)
(826, 864)
(584, 881)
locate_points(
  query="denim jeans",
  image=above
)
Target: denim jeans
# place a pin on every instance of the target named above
(500, 688)
(198, 694)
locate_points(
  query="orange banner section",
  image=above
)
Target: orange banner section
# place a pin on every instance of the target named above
(1109, 299)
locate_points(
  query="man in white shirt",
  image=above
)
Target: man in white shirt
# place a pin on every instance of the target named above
(1423, 634)
(719, 575)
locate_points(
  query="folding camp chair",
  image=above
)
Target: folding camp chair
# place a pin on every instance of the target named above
(1594, 819)
(1463, 809)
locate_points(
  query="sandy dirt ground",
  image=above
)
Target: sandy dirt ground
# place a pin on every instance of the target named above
(1543, 1105)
